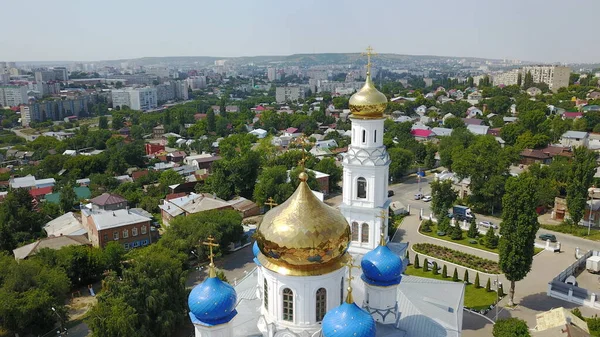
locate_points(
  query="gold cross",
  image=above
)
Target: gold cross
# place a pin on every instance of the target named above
(211, 266)
(369, 53)
(383, 225)
(271, 202)
(349, 264)
(303, 140)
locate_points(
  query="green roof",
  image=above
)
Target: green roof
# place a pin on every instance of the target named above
(82, 192)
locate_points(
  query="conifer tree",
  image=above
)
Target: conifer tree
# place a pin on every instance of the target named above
(455, 275)
(476, 283)
(425, 265)
(488, 285)
(445, 272)
(466, 276)
(416, 264)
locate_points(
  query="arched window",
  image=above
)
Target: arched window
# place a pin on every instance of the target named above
(361, 188)
(364, 136)
(288, 305)
(266, 294)
(355, 231)
(364, 235)
(375, 136)
(321, 304)
(342, 291)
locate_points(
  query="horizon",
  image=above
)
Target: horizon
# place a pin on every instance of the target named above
(531, 31)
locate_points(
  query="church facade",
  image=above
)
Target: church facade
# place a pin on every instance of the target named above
(306, 253)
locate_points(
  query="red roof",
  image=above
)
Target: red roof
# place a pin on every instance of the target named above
(175, 195)
(421, 133)
(37, 192)
(108, 199)
(138, 174)
(291, 130)
(571, 115)
(260, 108)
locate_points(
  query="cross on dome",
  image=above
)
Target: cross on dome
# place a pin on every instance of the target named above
(211, 266)
(369, 53)
(349, 264)
(382, 227)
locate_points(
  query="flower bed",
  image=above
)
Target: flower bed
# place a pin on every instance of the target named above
(460, 258)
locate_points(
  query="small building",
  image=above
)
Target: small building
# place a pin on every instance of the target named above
(422, 134)
(109, 202)
(54, 242)
(190, 204)
(245, 207)
(154, 148)
(534, 91)
(158, 131)
(177, 156)
(292, 132)
(559, 322)
(201, 161)
(532, 156)
(126, 226)
(259, 133)
(478, 129)
(66, 224)
(574, 139)
(441, 132)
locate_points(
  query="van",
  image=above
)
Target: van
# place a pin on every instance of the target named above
(418, 196)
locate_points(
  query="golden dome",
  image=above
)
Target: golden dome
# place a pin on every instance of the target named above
(303, 236)
(368, 102)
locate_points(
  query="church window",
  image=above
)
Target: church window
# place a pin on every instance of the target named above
(288, 305)
(375, 136)
(364, 235)
(266, 294)
(361, 184)
(364, 136)
(355, 231)
(342, 291)
(321, 304)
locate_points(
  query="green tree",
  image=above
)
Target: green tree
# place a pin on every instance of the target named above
(273, 183)
(466, 276)
(168, 178)
(328, 166)
(435, 269)
(455, 275)
(473, 232)
(456, 232)
(401, 160)
(443, 197)
(113, 317)
(103, 122)
(488, 285)
(454, 123)
(491, 239)
(476, 283)
(67, 198)
(211, 123)
(580, 179)
(416, 264)
(425, 265)
(518, 228)
(500, 289)
(511, 327)
(528, 80)
(445, 271)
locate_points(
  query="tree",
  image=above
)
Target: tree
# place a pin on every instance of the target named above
(466, 276)
(273, 183)
(435, 268)
(456, 232)
(491, 239)
(416, 264)
(113, 317)
(528, 80)
(454, 123)
(455, 275)
(476, 283)
(425, 265)
(488, 285)
(211, 123)
(500, 289)
(103, 123)
(67, 198)
(511, 327)
(518, 229)
(401, 160)
(445, 271)
(580, 178)
(168, 178)
(119, 85)
(328, 166)
(443, 197)
(473, 232)
(407, 257)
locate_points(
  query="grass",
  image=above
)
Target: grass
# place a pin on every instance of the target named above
(458, 257)
(465, 240)
(475, 298)
(579, 231)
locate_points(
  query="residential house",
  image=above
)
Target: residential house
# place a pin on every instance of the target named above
(422, 134)
(158, 131)
(326, 144)
(533, 91)
(245, 207)
(589, 108)
(321, 152)
(154, 148)
(128, 227)
(316, 136)
(478, 129)
(474, 97)
(572, 115)
(472, 121)
(473, 112)
(201, 161)
(574, 139)
(81, 193)
(30, 182)
(594, 95)
(446, 116)
(54, 242)
(83, 182)
(594, 141)
(292, 132)
(441, 132)
(66, 224)
(136, 175)
(462, 187)
(190, 204)
(259, 133)
(559, 322)
(281, 141)
(531, 156)
(421, 110)
(177, 156)
(508, 120)
(39, 193)
(232, 108)
(108, 202)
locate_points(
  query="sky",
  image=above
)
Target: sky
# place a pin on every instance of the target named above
(84, 30)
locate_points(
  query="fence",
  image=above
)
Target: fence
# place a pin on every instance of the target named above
(557, 288)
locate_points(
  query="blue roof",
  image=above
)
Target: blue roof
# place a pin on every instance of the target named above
(382, 267)
(348, 320)
(212, 302)
(256, 251)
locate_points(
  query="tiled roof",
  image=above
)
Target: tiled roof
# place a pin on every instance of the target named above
(108, 199)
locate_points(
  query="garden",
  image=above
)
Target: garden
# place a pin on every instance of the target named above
(460, 258)
(477, 297)
(471, 238)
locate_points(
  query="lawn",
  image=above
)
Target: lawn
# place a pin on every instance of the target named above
(466, 241)
(475, 298)
(579, 231)
(458, 257)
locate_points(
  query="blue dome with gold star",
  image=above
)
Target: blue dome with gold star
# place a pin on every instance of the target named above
(212, 302)
(381, 267)
(348, 320)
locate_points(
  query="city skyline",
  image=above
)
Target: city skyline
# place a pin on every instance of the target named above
(536, 31)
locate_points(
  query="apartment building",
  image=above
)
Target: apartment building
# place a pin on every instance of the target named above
(45, 75)
(13, 95)
(284, 94)
(129, 227)
(57, 110)
(135, 98)
(196, 82)
(507, 78)
(555, 77)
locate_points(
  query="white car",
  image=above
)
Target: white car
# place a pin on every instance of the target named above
(488, 224)
(427, 198)
(418, 196)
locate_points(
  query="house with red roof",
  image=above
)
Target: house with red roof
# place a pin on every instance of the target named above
(422, 135)
(572, 115)
(292, 132)
(40, 193)
(259, 108)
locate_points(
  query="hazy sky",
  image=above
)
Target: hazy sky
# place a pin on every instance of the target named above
(86, 30)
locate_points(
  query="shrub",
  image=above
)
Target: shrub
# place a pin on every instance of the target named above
(435, 268)
(472, 232)
(407, 257)
(426, 226)
(476, 283)
(466, 276)
(577, 313)
(416, 264)
(425, 265)
(455, 275)
(443, 224)
(457, 257)
(501, 290)
(491, 239)
(456, 233)
(445, 272)
(511, 327)
(488, 285)
(594, 325)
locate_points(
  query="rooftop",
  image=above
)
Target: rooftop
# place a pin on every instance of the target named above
(55, 242)
(114, 219)
(107, 199)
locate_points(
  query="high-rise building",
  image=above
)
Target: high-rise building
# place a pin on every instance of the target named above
(196, 82)
(120, 98)
(135, 98)
(555, 77)
(61, 73)
(58, 109)
(45, 76)
(507, 78)
(13, 95)
(284, 94)
(273, 74)
(4, 78)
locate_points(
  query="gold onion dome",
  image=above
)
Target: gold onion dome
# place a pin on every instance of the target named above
(368, 102)
(303, 236)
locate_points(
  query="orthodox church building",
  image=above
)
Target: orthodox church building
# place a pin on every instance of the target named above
(306, 253)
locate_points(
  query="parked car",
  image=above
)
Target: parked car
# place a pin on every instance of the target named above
(430, 265)
(390, 193)
(418, 196)
(547, 237)
(488, 224)
(427, 198)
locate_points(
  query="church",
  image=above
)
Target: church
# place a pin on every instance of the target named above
(327, 272)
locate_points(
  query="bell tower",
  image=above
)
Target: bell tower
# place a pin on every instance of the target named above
(366, 168)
